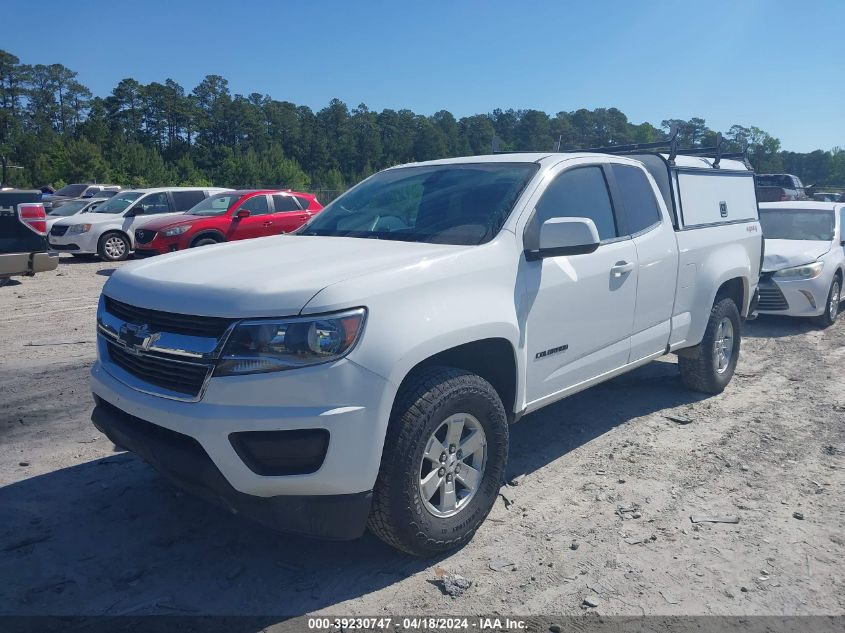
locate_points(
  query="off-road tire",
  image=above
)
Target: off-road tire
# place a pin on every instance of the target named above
(827, 319)
(426, 398)
(104, 253)
(700, 373)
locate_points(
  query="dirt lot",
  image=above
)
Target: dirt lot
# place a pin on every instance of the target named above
(87, 530)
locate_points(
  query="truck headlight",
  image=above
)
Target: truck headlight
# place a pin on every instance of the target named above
(76, 229)
(264, 345)
(808, 271)
(176, 230)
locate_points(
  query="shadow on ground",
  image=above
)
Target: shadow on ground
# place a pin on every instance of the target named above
(112, 537)
(773, 326)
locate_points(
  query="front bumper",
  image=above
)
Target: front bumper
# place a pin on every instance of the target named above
(350, 402)
(82, 243)
(184, 461)
(798, 298)
(13, 264)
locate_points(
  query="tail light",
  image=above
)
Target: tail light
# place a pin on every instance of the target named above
(33, 216)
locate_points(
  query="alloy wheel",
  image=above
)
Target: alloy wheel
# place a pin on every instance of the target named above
(724, 345)
(114, 247)
(452, 465)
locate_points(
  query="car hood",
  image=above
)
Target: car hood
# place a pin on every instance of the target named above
(782, 254)
(271, 276)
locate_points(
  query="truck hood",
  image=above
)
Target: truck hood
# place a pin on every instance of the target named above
(271, 276)
(782, 254)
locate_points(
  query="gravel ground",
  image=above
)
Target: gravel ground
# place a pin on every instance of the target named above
(605, 484)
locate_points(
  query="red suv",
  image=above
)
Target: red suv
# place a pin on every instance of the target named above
(227, 216)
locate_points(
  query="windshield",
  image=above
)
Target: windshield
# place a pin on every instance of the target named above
(215, 205)
(118, 203)
(69, 208)
(797, 224)
(440, 204)
(71, 191)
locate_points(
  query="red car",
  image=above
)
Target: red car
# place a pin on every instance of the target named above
(227, 216)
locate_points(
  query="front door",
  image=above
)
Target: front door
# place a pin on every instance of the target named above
(579, 308)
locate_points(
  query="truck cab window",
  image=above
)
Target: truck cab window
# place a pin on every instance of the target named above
(579, 193)
(641, 210)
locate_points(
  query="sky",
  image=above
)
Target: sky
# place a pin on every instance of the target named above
(777, 65)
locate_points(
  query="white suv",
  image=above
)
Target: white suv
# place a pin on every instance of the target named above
(365, 371)
(109, 230)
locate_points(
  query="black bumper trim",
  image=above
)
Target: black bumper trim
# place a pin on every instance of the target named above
(182, 459)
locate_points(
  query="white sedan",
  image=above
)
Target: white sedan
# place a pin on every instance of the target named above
(804, 261)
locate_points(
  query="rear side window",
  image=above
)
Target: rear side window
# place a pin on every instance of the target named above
(579, 193)
(640, 205)
(303, 201)
(285, 203)
(184, 200)
(257, 205)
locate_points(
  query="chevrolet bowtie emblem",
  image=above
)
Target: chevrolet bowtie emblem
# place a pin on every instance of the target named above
(138, 337)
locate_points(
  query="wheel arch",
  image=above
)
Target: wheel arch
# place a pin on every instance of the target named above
(494, 359)
(735, 289)
(212, 233)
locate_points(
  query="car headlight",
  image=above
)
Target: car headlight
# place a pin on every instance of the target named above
(264, 345)
(76, 229)
(808, 271)
(176, 230)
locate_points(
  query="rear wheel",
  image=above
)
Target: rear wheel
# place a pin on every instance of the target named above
(713, 367)
(443, 462)
(113, 247)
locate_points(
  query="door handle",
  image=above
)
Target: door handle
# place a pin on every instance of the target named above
(621, 268)
(268, 223)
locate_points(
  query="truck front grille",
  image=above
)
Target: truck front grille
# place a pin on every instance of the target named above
(58, 230)
(178, 376)
(209, 327)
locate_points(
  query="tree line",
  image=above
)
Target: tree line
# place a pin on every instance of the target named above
(55, 131)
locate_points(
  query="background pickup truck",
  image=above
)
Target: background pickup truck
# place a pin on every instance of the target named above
(23, 235)
(780, 188)
(364, 371)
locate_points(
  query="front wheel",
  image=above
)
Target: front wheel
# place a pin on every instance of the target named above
(204, 241)
(712, 368)
(831, 310)
(113, 247)
(443, 462)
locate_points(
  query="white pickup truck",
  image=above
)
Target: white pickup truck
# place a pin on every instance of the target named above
(364, 371)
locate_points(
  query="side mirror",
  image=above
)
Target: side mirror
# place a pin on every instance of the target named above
(136, 211)
(562, 236)
(242, 213)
